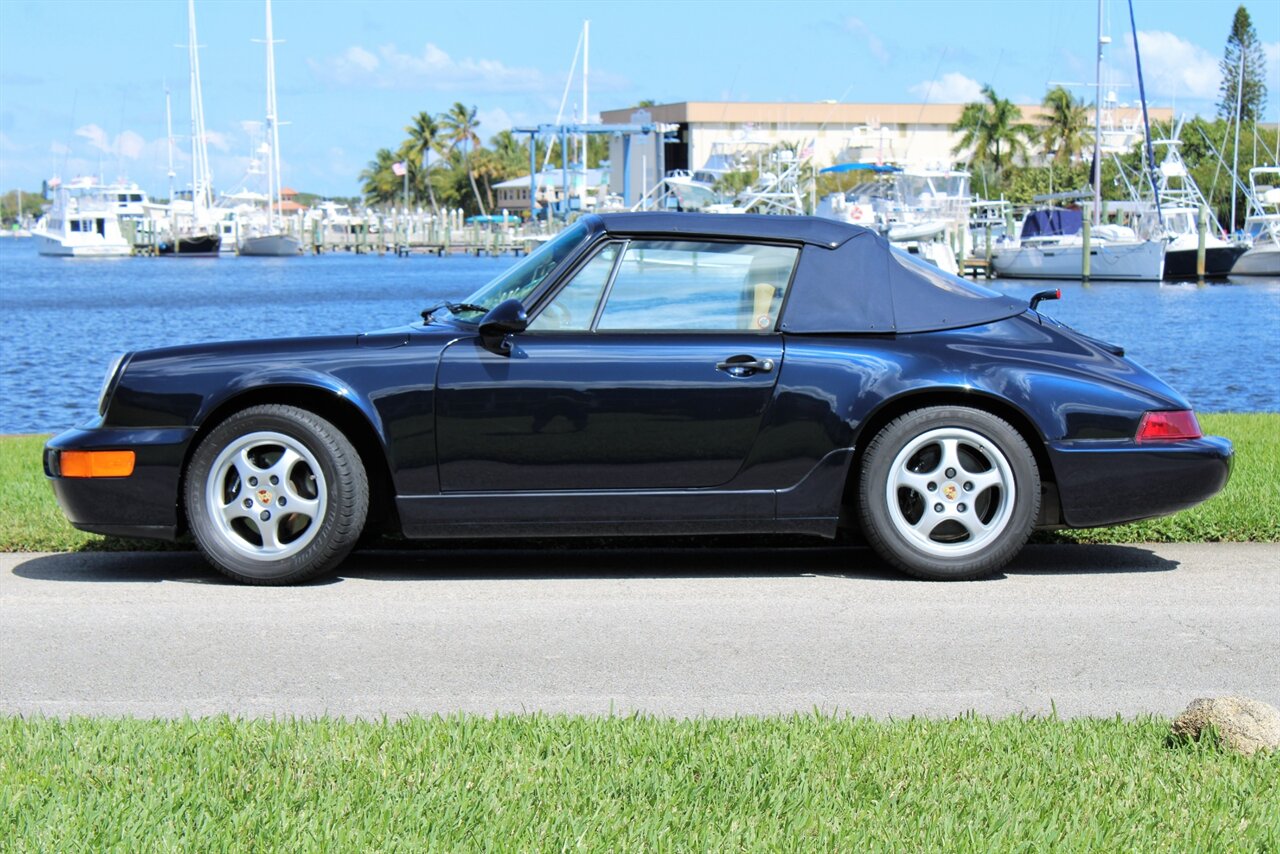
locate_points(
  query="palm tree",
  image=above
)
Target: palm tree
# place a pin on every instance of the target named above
(424, 140)
(1065, 131)
(510, 152)
(992, 129)
(379, 183)
(460, 125)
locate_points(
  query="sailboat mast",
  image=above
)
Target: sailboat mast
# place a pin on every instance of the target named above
(273, 161)
(201, 192)
(1097, 127)
(586, 64)
(1235, 157)
(168, 126)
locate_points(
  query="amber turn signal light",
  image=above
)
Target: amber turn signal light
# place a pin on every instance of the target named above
(96, 463)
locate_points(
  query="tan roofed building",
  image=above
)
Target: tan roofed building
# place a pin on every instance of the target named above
(910, 135)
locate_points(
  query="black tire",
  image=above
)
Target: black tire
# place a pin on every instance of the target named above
(987, 514)
(306, 510)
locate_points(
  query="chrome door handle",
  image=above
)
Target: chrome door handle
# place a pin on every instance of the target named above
(744, 367)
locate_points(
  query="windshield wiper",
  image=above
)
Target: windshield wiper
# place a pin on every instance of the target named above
(453, 308)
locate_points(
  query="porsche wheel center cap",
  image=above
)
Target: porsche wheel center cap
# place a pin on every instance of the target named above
(264, 497)
(950, 491)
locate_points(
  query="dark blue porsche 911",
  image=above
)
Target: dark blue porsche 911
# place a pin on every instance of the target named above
(649, 374)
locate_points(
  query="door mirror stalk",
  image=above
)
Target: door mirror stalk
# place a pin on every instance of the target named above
(505, 319)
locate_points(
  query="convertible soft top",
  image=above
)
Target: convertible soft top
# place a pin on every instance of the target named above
(849, 280)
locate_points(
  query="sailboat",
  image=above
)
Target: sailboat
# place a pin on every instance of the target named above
(1051, 240)
(198, 237)
(274, 240)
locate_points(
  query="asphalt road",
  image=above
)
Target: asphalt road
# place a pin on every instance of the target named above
(1092, 630)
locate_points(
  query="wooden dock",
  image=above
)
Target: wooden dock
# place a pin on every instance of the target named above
(398, 233)
(978, 268)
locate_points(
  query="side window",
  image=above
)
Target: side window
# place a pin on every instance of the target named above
(575, 306)
(671, 285)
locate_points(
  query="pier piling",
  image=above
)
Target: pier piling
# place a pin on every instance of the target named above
(1087, 233)
(1202, 229)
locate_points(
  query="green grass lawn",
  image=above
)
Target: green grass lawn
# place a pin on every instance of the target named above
(803, 783)
(1248, 509)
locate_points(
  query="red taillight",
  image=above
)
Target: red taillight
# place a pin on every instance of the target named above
(1168, 426)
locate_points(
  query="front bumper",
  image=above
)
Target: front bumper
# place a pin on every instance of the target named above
(1109, 483)
(145, 504)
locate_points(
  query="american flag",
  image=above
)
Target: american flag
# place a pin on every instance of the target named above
(398, 168)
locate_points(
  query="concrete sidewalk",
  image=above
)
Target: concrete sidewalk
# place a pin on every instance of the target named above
(1094, 630)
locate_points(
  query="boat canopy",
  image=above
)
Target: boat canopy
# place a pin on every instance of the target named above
(861, 167)
(1052, 222)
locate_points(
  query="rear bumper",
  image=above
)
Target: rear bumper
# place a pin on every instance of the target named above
(145, 504)
(1106, 483)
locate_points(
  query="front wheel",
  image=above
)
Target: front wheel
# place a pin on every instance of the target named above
(948, 493)
(276, 495)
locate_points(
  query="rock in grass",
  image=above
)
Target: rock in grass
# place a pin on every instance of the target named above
(1243, 725)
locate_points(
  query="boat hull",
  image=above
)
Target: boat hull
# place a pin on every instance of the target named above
(1262, 260)
(1142, 262)
(191, 246)
(1218, 261)
(51, 246)
(271, 245)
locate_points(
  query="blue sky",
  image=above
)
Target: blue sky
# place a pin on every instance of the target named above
(82, 83)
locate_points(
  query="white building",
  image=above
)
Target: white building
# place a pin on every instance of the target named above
(909, 135)
(513, 195)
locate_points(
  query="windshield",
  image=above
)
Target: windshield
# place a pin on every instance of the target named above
(522, 279)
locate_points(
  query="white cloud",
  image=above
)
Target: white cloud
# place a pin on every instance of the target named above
(1173, 67)
(874, 45)
(432, 68)
(1271, 50)
(494, 120)
(359, 59)
(7, 144)
(218, 140)
(952, 88)
(128, 144)
(97, 137)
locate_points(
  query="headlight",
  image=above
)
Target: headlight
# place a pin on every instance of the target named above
(109, 381)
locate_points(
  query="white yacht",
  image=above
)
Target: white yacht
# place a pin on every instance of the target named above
(1262, 225)
(1050, 245)
(1180, 203)
(924, 212)
(83, 222)
(273, 240)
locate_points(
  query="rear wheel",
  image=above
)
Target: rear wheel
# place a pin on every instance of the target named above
(276, 495)
(948, 493)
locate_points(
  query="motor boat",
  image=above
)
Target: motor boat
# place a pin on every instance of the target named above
(82, 223)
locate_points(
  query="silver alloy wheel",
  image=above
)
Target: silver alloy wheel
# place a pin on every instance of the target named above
(950, 492)
(266, 495)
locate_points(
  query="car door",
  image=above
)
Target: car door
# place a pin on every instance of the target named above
(651, 368)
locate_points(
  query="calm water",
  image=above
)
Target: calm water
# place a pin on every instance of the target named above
(64, 319)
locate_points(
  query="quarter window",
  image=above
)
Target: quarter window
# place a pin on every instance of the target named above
(674, 285)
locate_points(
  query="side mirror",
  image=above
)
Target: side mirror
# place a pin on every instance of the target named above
(504, 319)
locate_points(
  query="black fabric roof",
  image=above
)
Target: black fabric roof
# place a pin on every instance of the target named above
(849, 279)
(807, 229)
(865, 286)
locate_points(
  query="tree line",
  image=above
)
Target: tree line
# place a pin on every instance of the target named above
(444, 163)
(1000, 145)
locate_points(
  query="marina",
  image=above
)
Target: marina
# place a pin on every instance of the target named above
(49, 379)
